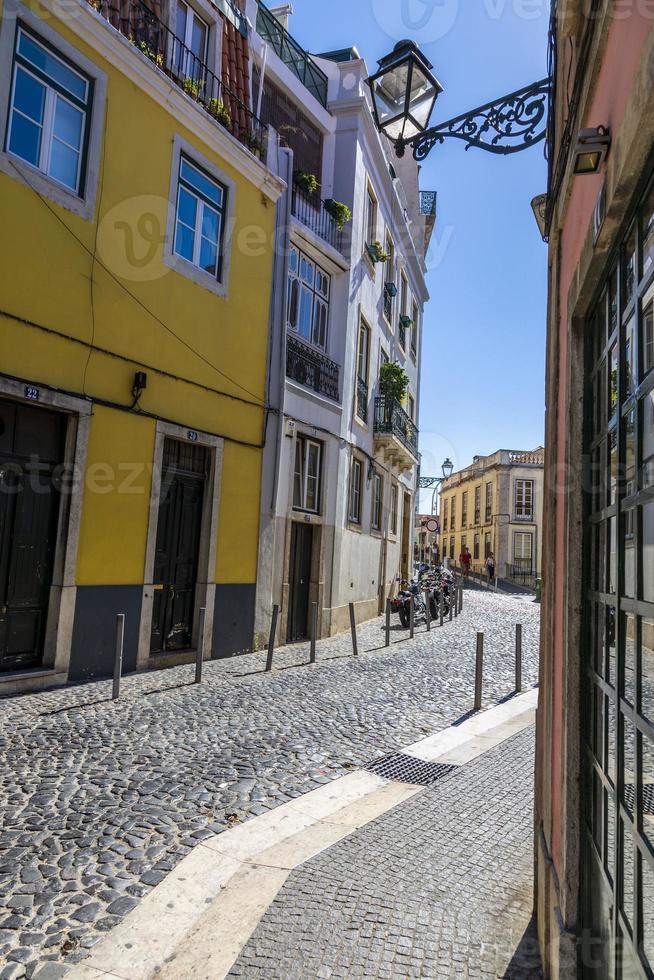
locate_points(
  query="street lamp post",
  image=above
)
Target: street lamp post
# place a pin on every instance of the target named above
(427, 482)
(404, 92)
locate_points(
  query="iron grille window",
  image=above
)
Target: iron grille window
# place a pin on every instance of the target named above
(524, 500)
(464, 509)
(453, 515)
(49, 110)
(185, 457)
(489, 503)
(617, 693)
(307, 473)
(478, 505)
(363, 366)
(308, 298)
(377, 499)
(354, 505)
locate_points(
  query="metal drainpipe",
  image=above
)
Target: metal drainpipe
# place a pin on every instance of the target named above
(282, 241)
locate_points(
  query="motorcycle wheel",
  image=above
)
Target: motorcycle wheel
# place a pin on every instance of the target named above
(404, 616)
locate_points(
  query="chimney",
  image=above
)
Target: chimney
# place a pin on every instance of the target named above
(282, 13)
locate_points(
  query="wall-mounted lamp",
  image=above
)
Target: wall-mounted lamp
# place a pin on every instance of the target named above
(590, 150)
(139, 386)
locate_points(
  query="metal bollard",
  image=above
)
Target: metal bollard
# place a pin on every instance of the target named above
(199, 654)
(441, 607)
(353, 630)
(314, 631)
(388, 623)
(118, 658)
(518, 657)
(411, 617)
(427, 610)
(460, 595)
(479, 670)
(450, 608)
(271, 638)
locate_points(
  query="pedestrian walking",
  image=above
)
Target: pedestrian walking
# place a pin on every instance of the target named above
(465, 560)
(490, 566)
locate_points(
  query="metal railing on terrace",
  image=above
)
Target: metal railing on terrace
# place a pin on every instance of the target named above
(294, 57)
(310, 210)
(310, 368)
(391, 418)
(168, 53)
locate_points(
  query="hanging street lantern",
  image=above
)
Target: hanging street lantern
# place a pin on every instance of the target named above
(404, 93)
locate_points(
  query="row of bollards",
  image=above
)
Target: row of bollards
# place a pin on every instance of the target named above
(479, 665)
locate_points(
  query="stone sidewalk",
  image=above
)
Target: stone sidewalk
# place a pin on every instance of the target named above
(440, 887)
(101, 799)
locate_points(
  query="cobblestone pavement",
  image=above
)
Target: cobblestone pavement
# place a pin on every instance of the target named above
(100, 799)
(440, 887)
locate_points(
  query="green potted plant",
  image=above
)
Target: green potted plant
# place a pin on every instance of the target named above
(391, 289)
(216, 109)
(376, 252)
(305, 181)
(393, 381)
(192, 86)
(145, 48)
(406, 321)
(338, 211)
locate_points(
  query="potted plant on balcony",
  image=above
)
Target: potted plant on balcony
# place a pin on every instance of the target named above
(192, 86)
(305, 181)
(145, 48)
(338, 211)
(216, 109)
(376, 252)
(391, 289)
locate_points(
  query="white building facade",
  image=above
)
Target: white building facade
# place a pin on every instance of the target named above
(341, 459)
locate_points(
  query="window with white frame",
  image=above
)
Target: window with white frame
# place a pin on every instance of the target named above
(49, 110)
(415, 314)
(478, 505)
(190, 42)
(522, 548)
(308, 298)
(389, 279)
(200, 218)
(370, 216)
(306, 479)
(488, 516)
(524, 499)
(453, 515)
(464, 509)
(394, 508)
(377, 500)
(354, 502)
(411, 408)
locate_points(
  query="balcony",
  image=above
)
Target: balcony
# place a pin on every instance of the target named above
(309, 209)
(169, 55)
(293, 56)
(310, 368)
(396, 435)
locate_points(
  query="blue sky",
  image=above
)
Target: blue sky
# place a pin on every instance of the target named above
(484, 328)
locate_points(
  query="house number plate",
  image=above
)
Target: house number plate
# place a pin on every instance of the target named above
(192, 435)
(32, 393)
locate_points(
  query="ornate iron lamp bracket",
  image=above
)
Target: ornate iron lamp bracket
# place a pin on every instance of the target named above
(426, 482)
(509, 124)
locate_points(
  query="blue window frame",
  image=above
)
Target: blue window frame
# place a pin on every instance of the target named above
(49, 111)
(200, 218)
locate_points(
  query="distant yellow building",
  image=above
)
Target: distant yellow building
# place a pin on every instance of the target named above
(496, 505)
(138, 221)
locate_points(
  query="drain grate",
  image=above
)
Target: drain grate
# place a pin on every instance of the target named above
(408, 769)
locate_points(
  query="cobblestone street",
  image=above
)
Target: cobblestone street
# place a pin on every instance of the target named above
(100, 799)
(440, 887)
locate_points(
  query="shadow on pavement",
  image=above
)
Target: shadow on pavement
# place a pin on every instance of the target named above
(525, 963)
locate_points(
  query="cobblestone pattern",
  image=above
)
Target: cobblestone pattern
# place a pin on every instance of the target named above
(100, 799)
(440, 887)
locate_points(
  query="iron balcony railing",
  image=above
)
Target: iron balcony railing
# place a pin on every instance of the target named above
(522, 571)
(290, 52)
(170, 55)
(310, 368)
(362, 399)
(428, 203)
(391, 418)
(309, 209)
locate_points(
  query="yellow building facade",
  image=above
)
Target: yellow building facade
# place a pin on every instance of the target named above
(137, 248)
(495, 505)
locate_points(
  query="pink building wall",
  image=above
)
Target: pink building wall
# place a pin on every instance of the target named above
(622, 56)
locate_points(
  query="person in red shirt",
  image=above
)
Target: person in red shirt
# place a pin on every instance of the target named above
(465, 559)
